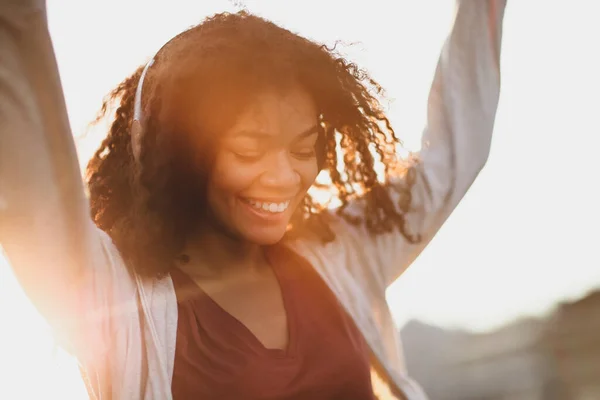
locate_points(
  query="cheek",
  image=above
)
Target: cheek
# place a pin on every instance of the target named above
(308, 172)
(228, 179)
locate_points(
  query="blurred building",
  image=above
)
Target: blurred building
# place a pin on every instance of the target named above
(553, 359)
(573, 340)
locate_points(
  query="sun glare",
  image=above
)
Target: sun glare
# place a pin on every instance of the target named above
(32, 367)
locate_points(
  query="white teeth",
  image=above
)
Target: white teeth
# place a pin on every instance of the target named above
(269, 207)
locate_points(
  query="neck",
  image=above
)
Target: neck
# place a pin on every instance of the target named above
(214, 254)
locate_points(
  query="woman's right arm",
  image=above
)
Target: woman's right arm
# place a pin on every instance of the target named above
(52, 245)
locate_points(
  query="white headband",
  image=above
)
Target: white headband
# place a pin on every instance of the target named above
(137, 126)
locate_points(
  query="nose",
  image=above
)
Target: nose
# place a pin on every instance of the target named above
(280, 173)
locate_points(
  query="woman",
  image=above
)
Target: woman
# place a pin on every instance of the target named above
(213, 273)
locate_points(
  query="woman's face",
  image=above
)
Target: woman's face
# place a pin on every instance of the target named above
(264, 166)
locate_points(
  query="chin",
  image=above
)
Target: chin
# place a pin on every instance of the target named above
(265, 237)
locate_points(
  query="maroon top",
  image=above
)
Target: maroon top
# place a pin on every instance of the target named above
(217, 357)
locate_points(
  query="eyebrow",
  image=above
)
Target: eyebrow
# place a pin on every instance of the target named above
(309, 132)
(264, 135)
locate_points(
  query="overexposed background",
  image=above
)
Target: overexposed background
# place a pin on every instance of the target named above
(524, 238)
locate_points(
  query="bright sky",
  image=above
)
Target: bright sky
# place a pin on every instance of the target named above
(525, 236)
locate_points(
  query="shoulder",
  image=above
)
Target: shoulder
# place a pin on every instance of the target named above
(350, 257)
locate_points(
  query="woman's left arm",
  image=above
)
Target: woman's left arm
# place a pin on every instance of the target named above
(455, 144)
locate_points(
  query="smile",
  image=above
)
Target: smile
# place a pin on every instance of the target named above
(270, 207)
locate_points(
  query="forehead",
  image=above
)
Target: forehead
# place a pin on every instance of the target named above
(276, 113)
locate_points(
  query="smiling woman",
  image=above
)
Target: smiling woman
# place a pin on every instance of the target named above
(224, 106)
(265, 166)
(210, 271)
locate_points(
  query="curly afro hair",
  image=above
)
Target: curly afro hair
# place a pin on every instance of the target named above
(149, 206)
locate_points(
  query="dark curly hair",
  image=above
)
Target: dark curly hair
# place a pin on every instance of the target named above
(208, 73)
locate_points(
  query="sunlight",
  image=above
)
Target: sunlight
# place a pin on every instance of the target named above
(31, 365)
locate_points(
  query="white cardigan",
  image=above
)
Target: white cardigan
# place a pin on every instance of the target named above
(123, 330)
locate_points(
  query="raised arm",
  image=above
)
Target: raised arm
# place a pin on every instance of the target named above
(455, 145)
(45, 228)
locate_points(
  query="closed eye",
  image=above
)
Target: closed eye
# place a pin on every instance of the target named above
(304, 148)
(248, 156)
(304, 154)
